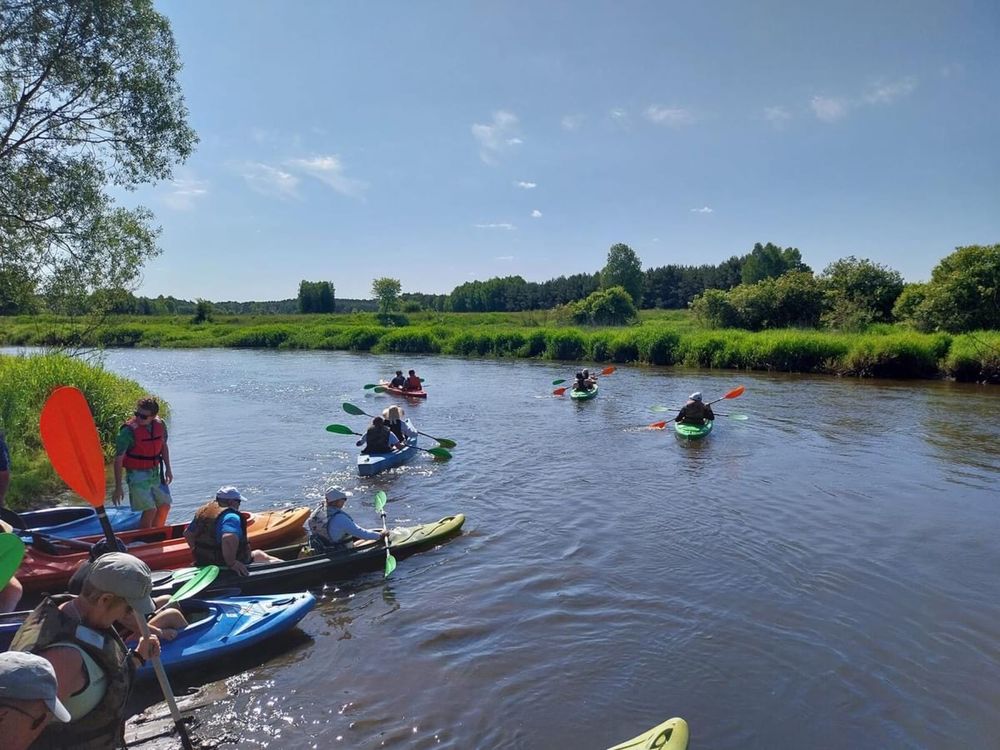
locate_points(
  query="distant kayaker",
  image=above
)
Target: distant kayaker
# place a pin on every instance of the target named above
(399, 381)
(582, 383)
(141, 449)
(30, 694)
(94, 669)
(332, 529)
(413, 383)
(218, 534)
(378, 438)
(400, 427)
(591, 379)
(695, 411)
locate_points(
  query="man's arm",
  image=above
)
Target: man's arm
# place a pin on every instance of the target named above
(168, 475)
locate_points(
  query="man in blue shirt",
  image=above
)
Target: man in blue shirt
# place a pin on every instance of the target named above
(339, 529)
(218, 534)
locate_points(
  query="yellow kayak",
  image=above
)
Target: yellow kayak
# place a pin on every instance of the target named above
(670, 735)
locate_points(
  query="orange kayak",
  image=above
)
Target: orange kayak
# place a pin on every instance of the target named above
(49, 563)
(402, 392)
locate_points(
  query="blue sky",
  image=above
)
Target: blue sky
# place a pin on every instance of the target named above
(439, 142)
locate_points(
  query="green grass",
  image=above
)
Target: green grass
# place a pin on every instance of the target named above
(25, 383)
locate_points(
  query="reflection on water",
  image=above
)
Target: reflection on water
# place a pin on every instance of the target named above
(821, 575)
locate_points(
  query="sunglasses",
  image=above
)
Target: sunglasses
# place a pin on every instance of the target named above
(142, 414)
(35, 721)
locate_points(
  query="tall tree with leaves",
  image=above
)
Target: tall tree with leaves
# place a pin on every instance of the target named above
(386, 291)
(624, 269)
(89, 98)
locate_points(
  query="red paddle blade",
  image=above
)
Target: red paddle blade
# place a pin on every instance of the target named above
(608, 370)
(737, 391)
(560, 391)
(70, 438)
(657, 425)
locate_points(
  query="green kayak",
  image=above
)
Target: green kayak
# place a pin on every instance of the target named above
(693, 431)
(583, 395)
(670, 735)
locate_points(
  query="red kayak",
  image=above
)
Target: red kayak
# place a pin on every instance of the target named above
(400, 392)
(50, 562)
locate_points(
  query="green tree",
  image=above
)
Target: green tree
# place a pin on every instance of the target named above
(769, 262)
(316, 297)
(713, 309)
(624, 269)
(606, 307)
(860, 292)
(88, 98)
(17, 289)
(964, 292)
(202, 311)
(909, 301)
(386, 291)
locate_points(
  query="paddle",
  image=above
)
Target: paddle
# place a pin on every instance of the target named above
(735, 393)
(561, 391)
(390, 561)
(201, 581)
(340, 429)
(11, 554)
(352, 409)
(70, 439)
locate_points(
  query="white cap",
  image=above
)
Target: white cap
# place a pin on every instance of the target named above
(228, 493)
(696, 396)
(29, 677)
(333, 494)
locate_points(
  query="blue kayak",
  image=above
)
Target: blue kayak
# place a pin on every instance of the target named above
(370, 464)
(219, 627)
(77, 520)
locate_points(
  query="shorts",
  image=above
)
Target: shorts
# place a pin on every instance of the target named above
(145, 490)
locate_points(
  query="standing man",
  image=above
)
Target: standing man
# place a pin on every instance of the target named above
(94, 669)
(28, 698)
(141, 448)
(4, 468)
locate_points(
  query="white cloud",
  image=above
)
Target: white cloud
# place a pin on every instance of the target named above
(500, 225)
(497, 137)
(702, 210)
(268, 180)
(619, 115)
(504, 257)
(536, 214)
(828, 109)
(672, 116)
(572, 122)
(328, 170)
(886, 92)
(526, 185)
(777, 116)
(184, 193)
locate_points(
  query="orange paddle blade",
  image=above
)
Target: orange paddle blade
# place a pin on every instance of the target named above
(657, 425)
(737, 391)
(70, 438)
(608, 370)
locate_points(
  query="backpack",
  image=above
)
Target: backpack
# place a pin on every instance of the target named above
(317, 521)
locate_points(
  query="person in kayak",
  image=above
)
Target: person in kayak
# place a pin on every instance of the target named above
(399, 381)
(29, 698)
(218, 534)
(141, 449)
(695, 411)
(93, 667)
(591, 379)
(400, 427)
(332, 529)
(413, 383)
(582, 383)
(378, 438)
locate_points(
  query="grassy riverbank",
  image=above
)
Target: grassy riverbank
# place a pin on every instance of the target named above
(25, 383)
(661, 338)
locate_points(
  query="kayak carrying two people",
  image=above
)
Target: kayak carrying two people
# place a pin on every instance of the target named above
(409, 383)
(331, 528)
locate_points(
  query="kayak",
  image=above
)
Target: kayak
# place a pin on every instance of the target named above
(693, 431)
(217, 627)
(370, 464)
(75, 520)
(49, 562)
(314, 569)
(400, 392)
(670, 735)
(583, 395)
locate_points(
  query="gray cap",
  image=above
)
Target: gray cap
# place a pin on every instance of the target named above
(126, 576)
(225, 494)
(696, 396)
(332, 495)
(28, 677)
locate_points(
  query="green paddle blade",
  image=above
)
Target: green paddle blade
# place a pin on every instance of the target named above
(390, 565)
(446, 443)
(738, 417)
(369, 386)
(560, 381)
(379, 389)
(659, 408)
(11, 554)
(380, 500)
(439, 453)
(202, 580)
(352, 409)
(340, 429)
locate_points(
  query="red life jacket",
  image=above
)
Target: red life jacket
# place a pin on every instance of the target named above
(413, 383)
(147, 449)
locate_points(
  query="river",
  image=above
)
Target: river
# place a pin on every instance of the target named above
(821, 575)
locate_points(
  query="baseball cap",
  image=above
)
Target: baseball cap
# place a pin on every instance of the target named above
(126, 576)
(29, 677)
(228, 493)
(333, 495)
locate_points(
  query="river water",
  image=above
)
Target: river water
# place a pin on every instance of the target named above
(821, 575)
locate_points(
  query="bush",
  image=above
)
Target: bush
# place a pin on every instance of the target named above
(606, 307)
(565, 345)
(392, 320)
(974, 357)
(906, 355)
(411, 341)
(259, 337)
(657, 346)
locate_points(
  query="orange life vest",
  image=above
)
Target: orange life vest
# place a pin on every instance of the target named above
(413, 383)
(205, 542)
(147, 444)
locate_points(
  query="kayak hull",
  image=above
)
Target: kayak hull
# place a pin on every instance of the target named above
(370, 464)
(77, 520)
(218, 627)
(583, 395)
(49, 563)
(670, 735)
(316, 569)
(692, 431)
(400, 392)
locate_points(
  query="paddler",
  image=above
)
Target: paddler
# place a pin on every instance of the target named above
(218, 534)
(590, 379)
(332, 529)
(400, 427)
(695, 411)
(581, 384)
(94, 669)
(399, 381)
(413, 383)
(378, 438)
(29, 698)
